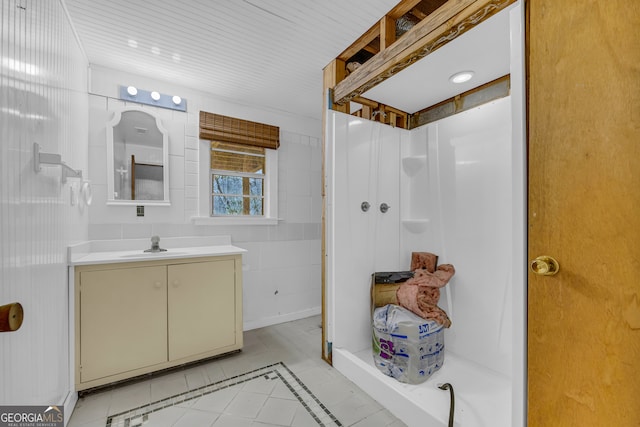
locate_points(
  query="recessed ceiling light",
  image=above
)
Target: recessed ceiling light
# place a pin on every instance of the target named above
(461, 77)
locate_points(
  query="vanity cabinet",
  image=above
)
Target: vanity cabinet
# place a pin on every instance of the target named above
(138, 317)
(123, 319)
(200, 310)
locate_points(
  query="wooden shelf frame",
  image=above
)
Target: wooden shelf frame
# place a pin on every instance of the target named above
(449, 21)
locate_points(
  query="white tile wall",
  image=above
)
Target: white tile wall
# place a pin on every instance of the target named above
(282, 268)
(43, 98)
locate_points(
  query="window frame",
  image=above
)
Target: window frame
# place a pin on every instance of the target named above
(246, 198)
(205, 203)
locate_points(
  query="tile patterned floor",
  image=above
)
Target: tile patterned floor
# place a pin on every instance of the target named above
(277, 380)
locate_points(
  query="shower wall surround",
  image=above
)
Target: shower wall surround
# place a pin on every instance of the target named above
(43, 75)
(451, 190)
(462, 195)
(282, 267)
(364, 168)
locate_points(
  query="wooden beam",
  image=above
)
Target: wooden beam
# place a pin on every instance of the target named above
(402, 8)
(496, 89)
(333, 74)
(361, 43)
(365, 101)
(366, 112)
(418, 13)
(387, 32)
(449, 21)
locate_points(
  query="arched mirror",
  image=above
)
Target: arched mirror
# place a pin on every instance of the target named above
(137, 159)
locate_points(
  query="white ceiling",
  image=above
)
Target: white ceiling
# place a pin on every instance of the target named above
(267, 53)
(483, 50)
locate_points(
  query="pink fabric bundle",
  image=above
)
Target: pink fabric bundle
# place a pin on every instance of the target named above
(423, 261)
(421, 293)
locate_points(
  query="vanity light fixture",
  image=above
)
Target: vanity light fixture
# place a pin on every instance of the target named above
(155, 98)
(461, 77)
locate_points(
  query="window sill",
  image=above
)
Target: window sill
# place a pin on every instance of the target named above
(209, 220)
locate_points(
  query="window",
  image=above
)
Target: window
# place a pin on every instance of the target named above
(237, 179)
(239, 160)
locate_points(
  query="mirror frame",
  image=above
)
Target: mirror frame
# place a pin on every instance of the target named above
(111, 200)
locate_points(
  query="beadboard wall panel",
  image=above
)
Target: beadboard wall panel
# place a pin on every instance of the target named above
(43, 99)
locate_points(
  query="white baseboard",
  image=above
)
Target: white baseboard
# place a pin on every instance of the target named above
(274, 320)
(69, 405)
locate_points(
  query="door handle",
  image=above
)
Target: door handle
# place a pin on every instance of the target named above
(544, 265)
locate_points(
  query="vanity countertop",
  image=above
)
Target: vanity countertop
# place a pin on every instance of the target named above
(132, 250)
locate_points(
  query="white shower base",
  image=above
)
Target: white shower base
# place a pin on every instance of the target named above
(482, 397)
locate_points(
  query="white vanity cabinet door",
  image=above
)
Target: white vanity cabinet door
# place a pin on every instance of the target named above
(202, 307)
(123, 318)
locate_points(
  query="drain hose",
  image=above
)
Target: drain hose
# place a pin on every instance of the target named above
(447, 386)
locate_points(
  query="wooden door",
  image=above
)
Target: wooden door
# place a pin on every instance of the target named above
(202, 307)
(584, 210)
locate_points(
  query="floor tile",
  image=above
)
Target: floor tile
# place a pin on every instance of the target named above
(277, 380)
(218, 401)
(302, 418)
(130, 396)
(196, 418)
(246, 405)
(232, 421)
(278, 411)
(379, 419)
(168, 385)
(91, 408)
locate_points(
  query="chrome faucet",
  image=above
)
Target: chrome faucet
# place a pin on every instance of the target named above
(155, 245)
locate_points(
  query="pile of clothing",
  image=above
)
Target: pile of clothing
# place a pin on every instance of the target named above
(420, 294)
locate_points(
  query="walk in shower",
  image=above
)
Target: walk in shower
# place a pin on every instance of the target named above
(456, 188)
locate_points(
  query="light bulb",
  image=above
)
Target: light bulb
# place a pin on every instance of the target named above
(155, 96)
(131, 90)
(176, 100)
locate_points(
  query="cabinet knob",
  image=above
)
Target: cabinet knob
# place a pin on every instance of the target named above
(157, 285)
(176, 283)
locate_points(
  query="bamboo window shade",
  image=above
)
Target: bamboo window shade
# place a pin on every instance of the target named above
(216, 127)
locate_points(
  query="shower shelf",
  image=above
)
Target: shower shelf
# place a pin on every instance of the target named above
(416, 225)
(413, 164)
